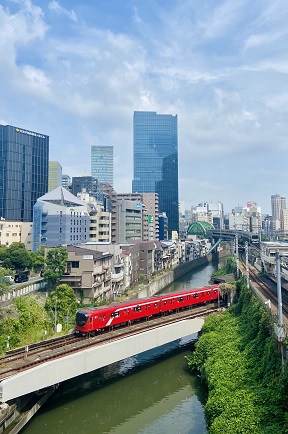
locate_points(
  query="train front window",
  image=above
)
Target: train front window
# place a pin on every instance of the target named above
(81, 318)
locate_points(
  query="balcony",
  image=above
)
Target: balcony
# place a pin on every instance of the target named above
(117, 277)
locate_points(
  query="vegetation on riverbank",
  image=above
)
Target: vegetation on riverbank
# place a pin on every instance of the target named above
(33, 318)
(238, 359)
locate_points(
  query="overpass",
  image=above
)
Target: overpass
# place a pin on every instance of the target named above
(64, 368)
(218, 235)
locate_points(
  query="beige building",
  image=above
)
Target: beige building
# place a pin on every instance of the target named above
(16, 232)
(111, 193)
(89, 273)
(100, 220)
(284, 221)
(54, 175)
(152, 207)
(117, 264)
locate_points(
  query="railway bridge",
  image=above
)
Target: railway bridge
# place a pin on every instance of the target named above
(73, 364)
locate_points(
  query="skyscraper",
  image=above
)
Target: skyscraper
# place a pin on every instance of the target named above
(278, 203)
(102, 163)
(54, 175)
(23, 171)
(156, 161)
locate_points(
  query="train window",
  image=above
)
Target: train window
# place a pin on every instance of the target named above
(155, 304)
(181, 299)
(215, 292)
(104, 316)
(208, 292)
(100, 318)
(195, 295)
(147, 306)
(137, 309)
(165, 302)
(90, 319)
(115, 314)
(188, 297)
(171, 301)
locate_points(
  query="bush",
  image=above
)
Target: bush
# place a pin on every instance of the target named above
(238, 359)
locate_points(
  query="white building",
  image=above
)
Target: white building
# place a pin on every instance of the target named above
(59, 218)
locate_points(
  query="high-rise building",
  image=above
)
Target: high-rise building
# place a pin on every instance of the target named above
(54, 175)
(102, 163)
(278, 203)
(129, 221)
(66, 181)
(156, 162)
(87, 184)
(23, 171)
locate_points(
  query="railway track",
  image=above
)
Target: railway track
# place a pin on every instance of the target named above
(20, 359)
(268, 291)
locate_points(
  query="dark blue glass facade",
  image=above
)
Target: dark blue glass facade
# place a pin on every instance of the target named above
(156, 161)
(24, 159)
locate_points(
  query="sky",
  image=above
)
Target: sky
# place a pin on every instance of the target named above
(77, 70)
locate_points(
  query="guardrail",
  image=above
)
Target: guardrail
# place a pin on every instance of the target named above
(23, 289)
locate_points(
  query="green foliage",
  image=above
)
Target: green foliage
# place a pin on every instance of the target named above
(16, 257)
(4, 284)
(38, 260)
(237, 357)
(63, 302)
(27, 328)
(229, 268)
(56, 263)
(141, 278)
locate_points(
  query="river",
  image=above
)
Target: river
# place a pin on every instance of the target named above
(152, 393)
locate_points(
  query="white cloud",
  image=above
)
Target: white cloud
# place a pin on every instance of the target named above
(221, 67)
(55, 7)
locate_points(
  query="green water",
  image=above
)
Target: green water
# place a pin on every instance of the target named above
(152, 393)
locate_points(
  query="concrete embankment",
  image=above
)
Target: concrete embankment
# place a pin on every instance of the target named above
(164, 280)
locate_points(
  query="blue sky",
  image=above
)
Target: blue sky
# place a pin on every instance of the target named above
(77, 70)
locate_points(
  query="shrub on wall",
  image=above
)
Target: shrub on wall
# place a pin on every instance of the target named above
(238, 359)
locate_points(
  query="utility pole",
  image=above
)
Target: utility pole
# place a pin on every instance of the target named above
(247, 264)
(237, 256)
(279, 292)
(278, 328)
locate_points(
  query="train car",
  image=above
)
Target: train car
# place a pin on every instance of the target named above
(254, 238)
(91, 320)
(183, 299)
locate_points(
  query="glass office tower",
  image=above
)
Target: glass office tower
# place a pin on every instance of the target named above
(156, 161)
(102, 163)
(23, 171)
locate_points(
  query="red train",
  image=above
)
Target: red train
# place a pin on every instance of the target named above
(92, 320)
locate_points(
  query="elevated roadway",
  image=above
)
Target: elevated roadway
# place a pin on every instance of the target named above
(61, 369)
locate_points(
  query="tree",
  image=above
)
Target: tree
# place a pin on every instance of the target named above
(62, 303)
(56, 263)
(4, 283)
(3, 249)
(17, 257)
(38, 260)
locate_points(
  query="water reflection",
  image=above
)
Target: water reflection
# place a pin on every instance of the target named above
(152, 393)
(150, 399)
